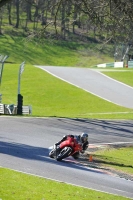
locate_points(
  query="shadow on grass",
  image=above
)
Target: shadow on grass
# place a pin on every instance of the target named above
(101, 160)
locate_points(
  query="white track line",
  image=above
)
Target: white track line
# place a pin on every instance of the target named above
(77, 85)
(63, 182)
(111, 143)
(73, 84)
(114, 80)
(107, 113)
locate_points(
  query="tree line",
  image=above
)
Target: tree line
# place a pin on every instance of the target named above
(110, 20)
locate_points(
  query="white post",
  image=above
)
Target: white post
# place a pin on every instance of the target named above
(21, 69)
(19, 81)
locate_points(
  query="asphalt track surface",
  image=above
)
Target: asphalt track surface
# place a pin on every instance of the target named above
(25, 142)
(96, 83)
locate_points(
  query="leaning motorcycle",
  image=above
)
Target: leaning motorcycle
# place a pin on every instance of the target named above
(65, 149)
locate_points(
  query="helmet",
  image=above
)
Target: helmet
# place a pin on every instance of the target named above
(84, 137)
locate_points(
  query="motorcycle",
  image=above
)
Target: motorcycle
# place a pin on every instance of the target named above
(67, 148)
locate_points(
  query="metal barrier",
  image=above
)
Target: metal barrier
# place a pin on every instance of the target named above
(0, 98)
(11, 109)
(26, 110)
(2, 61)
(1, 108)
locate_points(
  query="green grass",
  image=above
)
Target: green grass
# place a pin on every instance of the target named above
(56, 53)
(27, 187)
(50, 96)
(120, 159)
(122, 76)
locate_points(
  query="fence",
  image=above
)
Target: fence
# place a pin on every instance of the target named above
(113, 64)
(11, 109)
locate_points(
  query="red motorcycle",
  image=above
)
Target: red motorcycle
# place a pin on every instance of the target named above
(65, 149)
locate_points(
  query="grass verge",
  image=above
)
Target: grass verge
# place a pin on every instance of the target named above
(27, 187)
(122, 76)
(119, 159)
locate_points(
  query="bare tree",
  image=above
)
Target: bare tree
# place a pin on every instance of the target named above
(4, 2)
(17, 13)
(0, 21)
(9, 5)
(110, 20)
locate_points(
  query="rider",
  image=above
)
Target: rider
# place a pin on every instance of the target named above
(83, 139)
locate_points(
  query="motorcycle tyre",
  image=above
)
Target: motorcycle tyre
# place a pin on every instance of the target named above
(52, 153)
(66, 154)
(76, 155)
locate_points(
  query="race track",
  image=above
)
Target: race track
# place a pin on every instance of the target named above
(25, 142)
(94, 82)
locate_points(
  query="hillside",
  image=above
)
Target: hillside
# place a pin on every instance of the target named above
(53, 52)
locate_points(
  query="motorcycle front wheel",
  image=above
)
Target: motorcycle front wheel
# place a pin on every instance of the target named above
(52, 153)
(64, 153)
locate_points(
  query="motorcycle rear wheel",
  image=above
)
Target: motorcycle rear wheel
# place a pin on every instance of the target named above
(64, 153)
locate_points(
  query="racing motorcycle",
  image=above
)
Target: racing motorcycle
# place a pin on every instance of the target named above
(65, 149)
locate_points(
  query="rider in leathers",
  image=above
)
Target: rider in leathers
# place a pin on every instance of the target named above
(83, 139)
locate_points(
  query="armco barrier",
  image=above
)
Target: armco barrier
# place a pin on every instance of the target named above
(11, 109)
(130, 64)
(113, 64)
(1, 108)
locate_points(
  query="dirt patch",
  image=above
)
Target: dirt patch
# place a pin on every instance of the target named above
(89, 160)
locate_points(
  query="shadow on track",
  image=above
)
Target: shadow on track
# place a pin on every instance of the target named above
(37, 153)
(114, 128)
(123, 128)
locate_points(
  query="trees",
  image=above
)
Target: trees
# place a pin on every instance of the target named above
(109, 20)
(3, 2)
(112, 19)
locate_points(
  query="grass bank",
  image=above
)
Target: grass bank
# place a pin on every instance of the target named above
(50, 96)
(51, 52)
(119, 159)
(21, 186)
(122, 75)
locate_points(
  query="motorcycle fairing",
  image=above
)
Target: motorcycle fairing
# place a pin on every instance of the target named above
(71, 142)
(68, 142)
